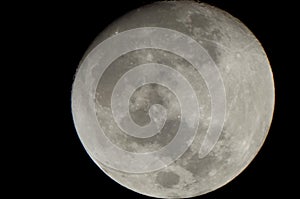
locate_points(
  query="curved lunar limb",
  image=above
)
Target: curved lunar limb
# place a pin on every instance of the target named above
(174, 99)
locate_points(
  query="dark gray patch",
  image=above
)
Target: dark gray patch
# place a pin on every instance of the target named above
(167, 179)
(200, 21)
(213, 51)
(198, 166)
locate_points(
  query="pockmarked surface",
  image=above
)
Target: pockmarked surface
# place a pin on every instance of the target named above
(174, 99)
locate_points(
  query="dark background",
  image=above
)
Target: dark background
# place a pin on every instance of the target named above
(55, 37)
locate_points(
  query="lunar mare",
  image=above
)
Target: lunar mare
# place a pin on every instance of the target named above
(248, 86)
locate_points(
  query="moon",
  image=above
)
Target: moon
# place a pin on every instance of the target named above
(174, 99)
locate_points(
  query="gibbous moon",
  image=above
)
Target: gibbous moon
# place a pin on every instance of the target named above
(174, 99)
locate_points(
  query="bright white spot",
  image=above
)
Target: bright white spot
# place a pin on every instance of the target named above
(212, 172)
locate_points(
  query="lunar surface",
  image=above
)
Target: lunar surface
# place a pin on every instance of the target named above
(174, 99)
